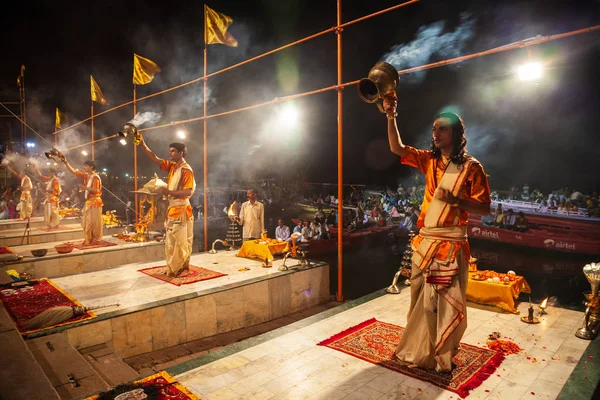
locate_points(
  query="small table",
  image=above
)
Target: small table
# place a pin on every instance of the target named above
(497, 294)
(262, 249)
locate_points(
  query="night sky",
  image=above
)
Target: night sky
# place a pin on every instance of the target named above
(541, 133)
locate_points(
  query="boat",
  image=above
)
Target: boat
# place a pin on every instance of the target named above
(573, 220)
(557, 239)
(353, 238)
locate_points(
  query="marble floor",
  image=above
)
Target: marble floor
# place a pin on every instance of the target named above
(289, 364)
(131, 288)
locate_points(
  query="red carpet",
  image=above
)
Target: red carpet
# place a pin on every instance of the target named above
(81, 246)
(376, 342)
(25, 303)
(160, 386)
(6, 250)
(195, 274)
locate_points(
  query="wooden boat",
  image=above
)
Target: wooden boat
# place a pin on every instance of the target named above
(558, 239)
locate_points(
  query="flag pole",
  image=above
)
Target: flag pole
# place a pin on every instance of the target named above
(135, 180)
(340, 248)
(92, 130)
(205, 152)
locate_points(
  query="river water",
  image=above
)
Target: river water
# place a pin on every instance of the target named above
(372, 266)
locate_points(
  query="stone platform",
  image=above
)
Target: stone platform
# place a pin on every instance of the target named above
(65, 233)
(154, 314)
(35, 222)
(288, 364)
(54, 264)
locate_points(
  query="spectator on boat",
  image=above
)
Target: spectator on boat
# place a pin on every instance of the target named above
(487, 220)
(307, 232)
(298, 227)
(321, 231)
(282, 232)
(408, 220)
(320, 214)
(521, 223)
(331, 219)
(394, 214)
(510, 220)
(498, 216)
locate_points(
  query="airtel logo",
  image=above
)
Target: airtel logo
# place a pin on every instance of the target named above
(477, 231)
(559, 245)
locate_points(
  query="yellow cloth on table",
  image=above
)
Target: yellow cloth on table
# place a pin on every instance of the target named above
(497, 294)
(251, 249)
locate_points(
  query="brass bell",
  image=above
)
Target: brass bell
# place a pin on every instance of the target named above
(381, 81)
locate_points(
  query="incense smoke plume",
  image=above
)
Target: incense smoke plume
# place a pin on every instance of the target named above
(431, 41)
(145, 117)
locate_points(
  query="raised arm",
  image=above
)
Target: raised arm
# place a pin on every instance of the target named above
(15, 173)
(69, 167)
(35, 168)
(153, 157)
(396, 145)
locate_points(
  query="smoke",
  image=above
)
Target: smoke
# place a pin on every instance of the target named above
(145, 117)
(431, 41)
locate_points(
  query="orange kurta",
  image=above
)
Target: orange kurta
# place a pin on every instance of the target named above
(92, 199)
(437, 320)
(475, 187)
(54, 188)
(185, 182)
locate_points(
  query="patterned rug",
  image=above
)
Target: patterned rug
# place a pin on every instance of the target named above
(27, 302)
(160, 386)
(6, 250)
(81, 246)
(195, 274)
(376, 342)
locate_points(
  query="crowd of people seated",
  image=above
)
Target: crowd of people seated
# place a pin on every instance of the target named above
(562, 201)
(506, 219)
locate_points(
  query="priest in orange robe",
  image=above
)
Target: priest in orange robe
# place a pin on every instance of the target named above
(51, 203)
(91, 215)
(179, 223)
(455, 185)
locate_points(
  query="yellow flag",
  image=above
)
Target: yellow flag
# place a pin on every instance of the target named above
(97, 95)
(60, 117)
(143, 70)
(215, 25)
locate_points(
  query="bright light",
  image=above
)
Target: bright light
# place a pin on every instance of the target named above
(127, 175)
(30, 144)
(181, 134)
(123, 142)
(530, 71)
(47, 162)
(288, 116)
(85, 153)
(104, 169)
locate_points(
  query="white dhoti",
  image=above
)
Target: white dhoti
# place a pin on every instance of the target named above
(91, 222)
(26, 207)
(51, 217)
(437, 318)
(178, 242)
